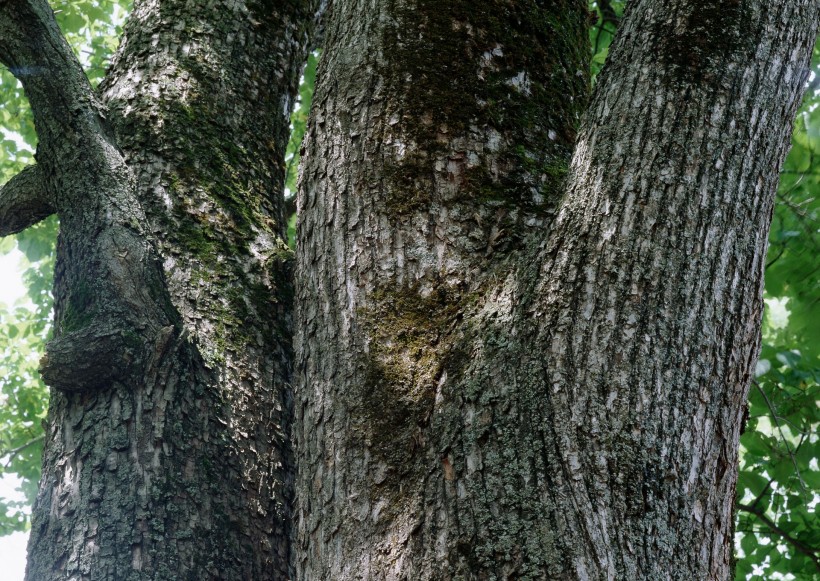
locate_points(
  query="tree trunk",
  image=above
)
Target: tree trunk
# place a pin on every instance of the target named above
(166, 454)
(514, 366)
(522, 353)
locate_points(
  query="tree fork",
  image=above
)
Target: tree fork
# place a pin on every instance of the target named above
(504, 374)
(438, 149)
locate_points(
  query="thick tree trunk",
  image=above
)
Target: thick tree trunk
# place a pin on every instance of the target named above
(166, 453)
(503, 375)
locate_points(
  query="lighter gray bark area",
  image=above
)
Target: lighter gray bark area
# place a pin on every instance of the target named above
(567, 407)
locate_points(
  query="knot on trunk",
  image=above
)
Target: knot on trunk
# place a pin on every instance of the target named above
(97, 355)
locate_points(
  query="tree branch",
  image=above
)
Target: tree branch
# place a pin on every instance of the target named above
(772, 526)
(23, 201)
(14, 451)
(780, 431)
(35, 51)
(762, 493)
(111, 303)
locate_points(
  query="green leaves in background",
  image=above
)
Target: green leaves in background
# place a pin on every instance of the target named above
(17, 136)
(607, 15)
(298, 124)
(93, 28)
(24, 328)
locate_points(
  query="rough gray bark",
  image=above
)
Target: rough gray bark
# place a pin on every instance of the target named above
(166, 455)
(502, 375)
(23, 201)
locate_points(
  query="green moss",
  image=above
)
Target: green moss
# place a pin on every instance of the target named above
(80, 308)
(410, 184)
(413, 340)
(197, 239)
(221, 203)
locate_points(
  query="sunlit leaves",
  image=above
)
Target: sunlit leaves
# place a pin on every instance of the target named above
(23, 329)
(93, 28)
(607, 15)
(17, 137)
(298, 124)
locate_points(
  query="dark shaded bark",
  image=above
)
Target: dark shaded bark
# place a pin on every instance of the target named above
(502, 375)
(23, 201)
(439, 144)
(166, 454)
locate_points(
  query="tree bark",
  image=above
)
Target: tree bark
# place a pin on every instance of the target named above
(505, 374)
(166, 451)
(23, 201)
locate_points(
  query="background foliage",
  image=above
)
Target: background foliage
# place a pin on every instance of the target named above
(779, 484)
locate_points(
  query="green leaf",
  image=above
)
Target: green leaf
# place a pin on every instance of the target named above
(748, 543)
(755, 482)
(7, 244)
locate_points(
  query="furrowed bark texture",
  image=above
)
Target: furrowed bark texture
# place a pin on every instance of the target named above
(182, 471)
(502, 375)
(648, 293)
(439, 142)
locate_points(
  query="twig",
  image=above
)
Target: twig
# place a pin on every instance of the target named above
(801, 547)
(608, 15)
(782, 436)
(762, 492)
(776, 258)
(13, 452)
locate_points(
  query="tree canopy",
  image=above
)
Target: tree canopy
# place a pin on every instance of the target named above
(779, 480)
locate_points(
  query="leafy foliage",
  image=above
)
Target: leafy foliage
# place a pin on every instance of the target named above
(607, 15)
(298, 125)
(298, 122)
(23, 329)
(93, 28)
